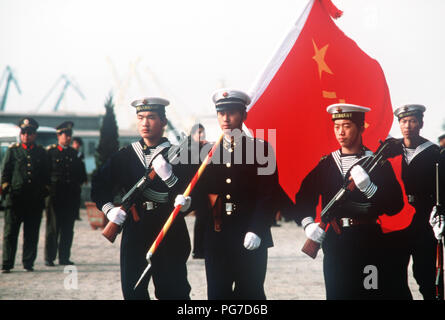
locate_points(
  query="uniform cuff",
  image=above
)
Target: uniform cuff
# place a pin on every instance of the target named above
(171, 181)
(107, 207)
(370, 190)
(306, 221)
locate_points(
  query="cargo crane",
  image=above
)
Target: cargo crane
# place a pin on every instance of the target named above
(9, 76)
(67, 84)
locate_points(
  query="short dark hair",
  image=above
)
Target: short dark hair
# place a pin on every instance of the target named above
(196, 127)
(78, 140)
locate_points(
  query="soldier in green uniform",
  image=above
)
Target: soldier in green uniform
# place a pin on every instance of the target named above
(66, 174)
(24, 185)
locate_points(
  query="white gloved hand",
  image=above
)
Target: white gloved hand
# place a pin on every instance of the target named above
(117, 215)
(437, 221)
(251, 241)
(162, 168)
(185, 202)
(314, 232)
(360, 177)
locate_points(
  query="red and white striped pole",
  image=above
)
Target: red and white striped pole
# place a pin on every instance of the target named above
(175, 212)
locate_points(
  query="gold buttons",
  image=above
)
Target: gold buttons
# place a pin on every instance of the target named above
(228, 197)
(228, 164)
(228, 180)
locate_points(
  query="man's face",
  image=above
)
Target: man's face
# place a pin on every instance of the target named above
(28, 137)
(76, 145)
(442, 142)
(199, 135)
(64, 139)
(347, 133)
(150, 125)
(231, 119)
(410, 127)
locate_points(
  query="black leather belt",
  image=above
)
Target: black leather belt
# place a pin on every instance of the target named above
(149, 205)
(412, 199)
(349, 222)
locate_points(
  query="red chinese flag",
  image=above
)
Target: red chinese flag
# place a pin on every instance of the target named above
(403, 219)
(316, 65)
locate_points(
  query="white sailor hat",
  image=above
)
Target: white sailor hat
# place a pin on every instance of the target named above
(230, 99)
(409, 110)
(348, 111)
(150, 104)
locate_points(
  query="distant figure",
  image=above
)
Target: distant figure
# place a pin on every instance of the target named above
(66, 175)
(198, 135)
(24, 184)
(77, 145)
(442, 141)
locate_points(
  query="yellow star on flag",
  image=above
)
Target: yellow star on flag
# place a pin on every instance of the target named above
(319, 58)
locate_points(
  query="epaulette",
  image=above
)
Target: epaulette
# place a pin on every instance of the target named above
(51, 146)
(323, 158)
(14, 145)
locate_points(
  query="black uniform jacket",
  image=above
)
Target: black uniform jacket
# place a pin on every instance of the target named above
(326, 179)
(239, 196)
(25, 173)
(419, 179)
(121, 172)
(66, 171)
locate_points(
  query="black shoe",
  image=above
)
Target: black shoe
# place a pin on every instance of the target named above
(6, 270)
(49, 263)
(66, 263)
(29, 269)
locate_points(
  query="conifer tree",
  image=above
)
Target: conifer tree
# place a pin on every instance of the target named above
(109, 136)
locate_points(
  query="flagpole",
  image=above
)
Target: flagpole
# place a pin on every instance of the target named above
(175, 212)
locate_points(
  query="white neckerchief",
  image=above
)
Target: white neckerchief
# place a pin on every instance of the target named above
(409, 155)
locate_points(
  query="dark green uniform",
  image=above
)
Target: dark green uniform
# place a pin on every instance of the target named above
(66, 175)
(24, 180)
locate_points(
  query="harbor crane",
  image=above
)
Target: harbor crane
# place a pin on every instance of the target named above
(8, 74)
(67, 84)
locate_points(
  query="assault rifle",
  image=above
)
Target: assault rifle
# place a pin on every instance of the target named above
(129, 200)
(439, 249)
(387, 149)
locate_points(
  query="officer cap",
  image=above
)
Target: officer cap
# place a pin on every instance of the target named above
(230, 99)
(150, 104)
(65, 127)
(28, 124)
(407, 110)
(348, 111)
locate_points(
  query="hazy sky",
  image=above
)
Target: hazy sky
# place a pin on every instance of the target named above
(186, 49)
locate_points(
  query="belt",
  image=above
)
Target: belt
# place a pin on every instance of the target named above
(349, 222)
(149, 205)
(412, 199)
(230, 207)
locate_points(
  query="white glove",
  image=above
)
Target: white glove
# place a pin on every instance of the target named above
(314, 232)
(162, 168)
(251, 241)
(438, 223)
(185, 202)
(117, 215)
(360, 177)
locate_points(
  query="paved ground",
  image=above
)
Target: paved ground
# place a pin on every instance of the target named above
(291, 274)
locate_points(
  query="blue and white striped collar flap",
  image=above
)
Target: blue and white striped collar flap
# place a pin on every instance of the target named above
(420, 148)
(146, 159)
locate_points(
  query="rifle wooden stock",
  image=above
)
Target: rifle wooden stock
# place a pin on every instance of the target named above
(311, 247)
(112, 229)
